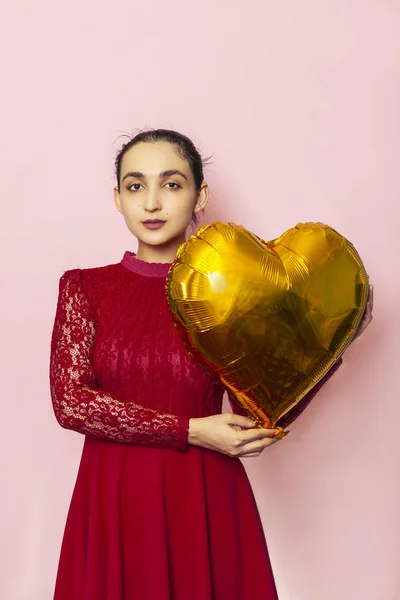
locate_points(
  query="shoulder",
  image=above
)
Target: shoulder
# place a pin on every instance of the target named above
(92, 281)
(91, 275)
(105, 288)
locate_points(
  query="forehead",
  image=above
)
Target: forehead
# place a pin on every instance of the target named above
(153, 158)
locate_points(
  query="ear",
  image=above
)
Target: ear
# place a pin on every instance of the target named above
(202, 198)
(117, 200)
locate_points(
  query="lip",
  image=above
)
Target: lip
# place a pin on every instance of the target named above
(153, 223)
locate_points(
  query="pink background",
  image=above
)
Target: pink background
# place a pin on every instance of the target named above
(298, 101)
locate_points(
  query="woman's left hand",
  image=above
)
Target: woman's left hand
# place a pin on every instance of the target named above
(367, 316)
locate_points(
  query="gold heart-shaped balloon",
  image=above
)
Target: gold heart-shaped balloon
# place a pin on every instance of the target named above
(268, 319)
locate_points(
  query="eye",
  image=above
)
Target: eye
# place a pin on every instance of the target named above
(172, 185)
(134, 187)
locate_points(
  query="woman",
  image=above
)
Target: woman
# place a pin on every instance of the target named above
(162, 508)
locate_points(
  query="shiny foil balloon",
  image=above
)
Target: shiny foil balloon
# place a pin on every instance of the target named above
(267, 319)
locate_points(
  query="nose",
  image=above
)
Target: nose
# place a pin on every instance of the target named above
(152, 201)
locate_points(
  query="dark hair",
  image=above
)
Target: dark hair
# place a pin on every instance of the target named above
(183, 145)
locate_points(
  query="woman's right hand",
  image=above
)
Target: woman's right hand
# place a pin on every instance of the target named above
(230, 434)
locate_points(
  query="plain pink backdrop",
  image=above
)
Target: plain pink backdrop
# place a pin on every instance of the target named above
(298, 101)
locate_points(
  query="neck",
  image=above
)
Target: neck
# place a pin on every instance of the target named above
(164, 253)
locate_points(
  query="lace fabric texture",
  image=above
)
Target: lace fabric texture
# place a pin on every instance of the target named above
(79, 404)
(118, 368)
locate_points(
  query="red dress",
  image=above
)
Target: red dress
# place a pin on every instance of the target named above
(151, 518)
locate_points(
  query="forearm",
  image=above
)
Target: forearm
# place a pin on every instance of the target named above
(92, 412)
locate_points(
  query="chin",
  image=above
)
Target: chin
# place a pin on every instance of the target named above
(159, 237)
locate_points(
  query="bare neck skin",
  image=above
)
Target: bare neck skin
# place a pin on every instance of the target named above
(163, 253)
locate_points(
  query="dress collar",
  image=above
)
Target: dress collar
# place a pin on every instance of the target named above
(129, 261)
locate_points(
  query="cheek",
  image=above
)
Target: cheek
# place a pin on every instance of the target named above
(181, 216)
(132, 207)
(179, 209)
(130, 212)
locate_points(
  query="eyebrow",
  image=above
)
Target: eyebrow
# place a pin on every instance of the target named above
(169, 173)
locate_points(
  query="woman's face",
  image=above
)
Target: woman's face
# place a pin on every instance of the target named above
(157, 194)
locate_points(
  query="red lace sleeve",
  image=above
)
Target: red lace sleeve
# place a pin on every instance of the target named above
(78, 403)
(296, 411)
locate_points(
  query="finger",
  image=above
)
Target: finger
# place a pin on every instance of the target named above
(366, 315)
(257, 446)
(369, 313)
(370, 296)
(250, 454)
(252, 435)
(240, 421)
